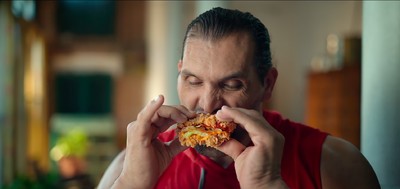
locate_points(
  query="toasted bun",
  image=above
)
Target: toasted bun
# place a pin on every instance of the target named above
(205, 129)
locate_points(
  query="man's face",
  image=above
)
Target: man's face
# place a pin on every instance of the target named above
(217, 73)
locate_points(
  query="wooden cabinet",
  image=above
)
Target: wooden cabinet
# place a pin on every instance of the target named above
(333, 102)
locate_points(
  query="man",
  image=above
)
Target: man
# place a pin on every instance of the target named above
(226, 69)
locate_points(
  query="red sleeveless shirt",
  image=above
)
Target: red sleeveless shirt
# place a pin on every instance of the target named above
(300, 163)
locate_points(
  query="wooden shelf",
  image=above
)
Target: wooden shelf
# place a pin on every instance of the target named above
(333, 102)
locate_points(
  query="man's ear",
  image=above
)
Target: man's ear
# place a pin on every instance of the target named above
(180, 65)
(269, 82)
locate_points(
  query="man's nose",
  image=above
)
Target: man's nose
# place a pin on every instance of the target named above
(211, 101)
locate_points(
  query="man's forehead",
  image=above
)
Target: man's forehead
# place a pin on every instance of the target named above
(233, 46)
(226, 56)
(214, 70)
(236, 39)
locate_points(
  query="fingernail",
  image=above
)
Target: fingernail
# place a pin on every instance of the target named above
(219, 115)
(155, 99)
(200, 112)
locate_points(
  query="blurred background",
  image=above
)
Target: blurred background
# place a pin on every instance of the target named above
(73, 74)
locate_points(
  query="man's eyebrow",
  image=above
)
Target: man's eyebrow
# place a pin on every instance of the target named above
(239, 74)
(187, 73)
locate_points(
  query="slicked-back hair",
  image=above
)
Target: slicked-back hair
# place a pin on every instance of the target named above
(218, 23)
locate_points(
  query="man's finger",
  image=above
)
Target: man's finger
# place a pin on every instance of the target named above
(232, 148)
(238, 116)
(187, 112)
(249, 120)
(169, 115)
(144, 117)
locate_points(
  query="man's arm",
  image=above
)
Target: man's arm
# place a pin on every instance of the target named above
(343, 166)
(112, 172)
(148, 157)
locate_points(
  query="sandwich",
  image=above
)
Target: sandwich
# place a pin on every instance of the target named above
(205, 129)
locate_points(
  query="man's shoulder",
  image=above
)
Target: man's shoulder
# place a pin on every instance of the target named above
(344, 166)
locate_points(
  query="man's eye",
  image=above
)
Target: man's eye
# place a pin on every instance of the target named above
(194, 81)
(233, 85)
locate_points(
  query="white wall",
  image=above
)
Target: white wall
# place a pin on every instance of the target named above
(381, 90)
(298, 31)
(164, 32)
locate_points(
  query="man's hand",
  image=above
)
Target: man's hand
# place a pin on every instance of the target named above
(258, 165)
(146, 157)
